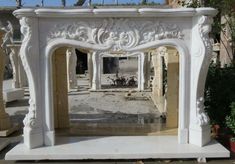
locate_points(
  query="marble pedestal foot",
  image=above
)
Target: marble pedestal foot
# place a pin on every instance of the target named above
(7, 132)
(13, 94)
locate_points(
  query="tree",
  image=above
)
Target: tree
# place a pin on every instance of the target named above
(81, 2)
(143, 2)
(226, 10)
(42, 3)
(63, 3)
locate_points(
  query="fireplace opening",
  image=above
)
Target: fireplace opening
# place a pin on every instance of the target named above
(122, 111)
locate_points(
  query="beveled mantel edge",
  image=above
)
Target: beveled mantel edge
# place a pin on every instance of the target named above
(114, 12)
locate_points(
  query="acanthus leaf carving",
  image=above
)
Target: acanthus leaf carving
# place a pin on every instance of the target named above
(119, 34)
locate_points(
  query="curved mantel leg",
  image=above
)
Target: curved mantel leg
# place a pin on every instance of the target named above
(4, 117)
(33, 129)
(199, 133)
(71, 68)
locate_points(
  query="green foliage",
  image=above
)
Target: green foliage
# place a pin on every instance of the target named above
(143, 2)
(192, 3)
(219, 92)
(230, 119)
(79, 2)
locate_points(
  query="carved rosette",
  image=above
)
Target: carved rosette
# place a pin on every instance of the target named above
(117, 34)
(26, 50)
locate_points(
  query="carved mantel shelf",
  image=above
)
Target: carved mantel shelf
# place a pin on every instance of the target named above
(116, 12)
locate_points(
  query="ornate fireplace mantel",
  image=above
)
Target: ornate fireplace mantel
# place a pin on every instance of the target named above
(116, 31)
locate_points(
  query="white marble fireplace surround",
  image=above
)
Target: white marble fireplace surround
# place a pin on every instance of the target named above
(125, 31)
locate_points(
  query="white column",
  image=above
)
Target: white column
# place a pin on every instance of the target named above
(22, 74)
(71, 68)
(19, 75)
(96, 80)
(157, 84)
(147, 63)
(90, 68)
(141, 78)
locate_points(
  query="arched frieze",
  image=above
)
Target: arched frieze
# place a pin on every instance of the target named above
(117, 34)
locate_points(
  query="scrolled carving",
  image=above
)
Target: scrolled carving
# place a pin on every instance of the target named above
(26, 50)
(157, 30)
(77, 31)
(204, 30)
(118, 34)
(202, 118)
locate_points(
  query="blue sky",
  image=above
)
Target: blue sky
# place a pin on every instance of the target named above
(68, 2)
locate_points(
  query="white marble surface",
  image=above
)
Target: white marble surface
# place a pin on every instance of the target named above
(120, 147)
(11, 94)
(112, 12)
(7, 84)
(132, 31)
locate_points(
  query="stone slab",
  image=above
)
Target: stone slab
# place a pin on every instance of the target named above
(13, 94)
(5, 133)
(121, 147)
(4, 142)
